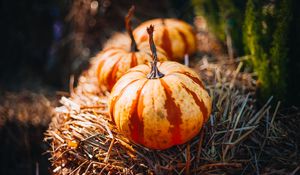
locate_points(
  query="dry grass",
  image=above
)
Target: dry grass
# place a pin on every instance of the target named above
(237, 138)
(24, 117)
(26, 107)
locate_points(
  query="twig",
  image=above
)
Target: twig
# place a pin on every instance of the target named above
(109, 150)
(188, 159)
(218, 165)
(200, 146)
(295, 170)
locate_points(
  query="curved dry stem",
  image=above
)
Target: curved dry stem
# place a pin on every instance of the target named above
(129, 29)
(154, 73)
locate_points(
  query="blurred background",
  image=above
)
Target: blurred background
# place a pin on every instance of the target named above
(44, 43)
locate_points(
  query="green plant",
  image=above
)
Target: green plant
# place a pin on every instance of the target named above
(265, 34)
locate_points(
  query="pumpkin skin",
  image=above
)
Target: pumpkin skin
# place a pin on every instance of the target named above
(163, 112)
(114, 62)
(176, 37)
(119, 40)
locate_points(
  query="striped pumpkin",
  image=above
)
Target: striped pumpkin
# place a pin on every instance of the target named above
(115, 62)
(119, 40)
(176, 37)
(162, 112)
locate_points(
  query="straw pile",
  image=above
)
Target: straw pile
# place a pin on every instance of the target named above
(24, 117)
(26, 107)
(84, 141)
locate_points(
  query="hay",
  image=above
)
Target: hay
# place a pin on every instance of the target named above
(24, 117)
(26, 107)
(84, 141)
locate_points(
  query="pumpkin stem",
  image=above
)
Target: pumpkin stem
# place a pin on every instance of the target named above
(129, 29)
(154, 74)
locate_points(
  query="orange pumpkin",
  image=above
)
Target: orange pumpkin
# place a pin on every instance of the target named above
(113, 62)
(176, 37)
(119, 40)
(162, 108)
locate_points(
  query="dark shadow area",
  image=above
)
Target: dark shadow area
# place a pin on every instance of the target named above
(21, 149)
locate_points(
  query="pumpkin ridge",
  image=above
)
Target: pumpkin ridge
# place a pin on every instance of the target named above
(192, 31)
(110, 48)
(111, 78)
(137, 71)
(199, 102)
(195, 79)
(136, 124)
(166, 43)
(181, 35)
(99, 68)
(133, 62)
(186, 43)
(116, 98)
(101, 63)
(173, 114)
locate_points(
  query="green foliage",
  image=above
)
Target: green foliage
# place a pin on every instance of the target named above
(221, 16)
(279, 50)
(209, 9)
(265, 34)
(259, 29)
(253, 38)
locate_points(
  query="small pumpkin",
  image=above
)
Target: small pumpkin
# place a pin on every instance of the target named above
(118, 40)
(162, 108)
(113, 62)
(175, 36)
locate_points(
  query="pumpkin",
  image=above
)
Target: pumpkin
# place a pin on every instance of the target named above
(113, 62)
(165, 107)
(176, 37)
(119, 40)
